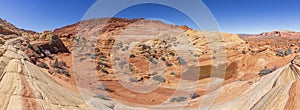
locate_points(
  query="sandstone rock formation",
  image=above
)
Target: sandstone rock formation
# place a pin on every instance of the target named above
(23, 85)
(42, 70)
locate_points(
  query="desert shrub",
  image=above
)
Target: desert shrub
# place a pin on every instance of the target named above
(126, 47)
(2, 42)
(103, 64)
(282, 53)
(59, 64)
(116, 59)
(104, 71)
(243, 52)
(132, 79)
(63, 71)
(266, 71)
(178, 99)
(132, 56)
(104, 97)
(172, 53)
(181, 61)
(194, 95)
(47, 53)
(81, 59)
(43, 65)
(88, 54)
(173, 73)
(288, 52)
(102, 57)
(122, 64)
(30, 46)
(152, 61)
(213, 57)
(102, 87)
(158, 78)
(279, 53)
(169, 64)
(163, 59)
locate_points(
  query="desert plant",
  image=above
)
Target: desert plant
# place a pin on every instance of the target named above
(63, 71)
(213, 57)
(266, 71)
(132, 56)
(181, 61)
(243, 52)
(158, 78)
(194, 95)
(122, 64)
(2, 42)
(163, 59)
(173, 73)
(43, 65)
(178, 99)
(104, 71)
(132, 79)
(172, 53)
(81, 59)
(59, 64)
(152, 61)
(103, 64)
(116, 59)
(104, 97)
(169, 64)
(102, 57)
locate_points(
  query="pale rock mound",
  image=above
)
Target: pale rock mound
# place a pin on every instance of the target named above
(24, 86)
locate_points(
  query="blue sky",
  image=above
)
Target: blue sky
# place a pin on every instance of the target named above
(233, 16)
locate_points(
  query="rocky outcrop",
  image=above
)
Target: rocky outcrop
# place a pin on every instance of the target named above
(279, 34)
(7, 29)
(25, 86)
(274, 91)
